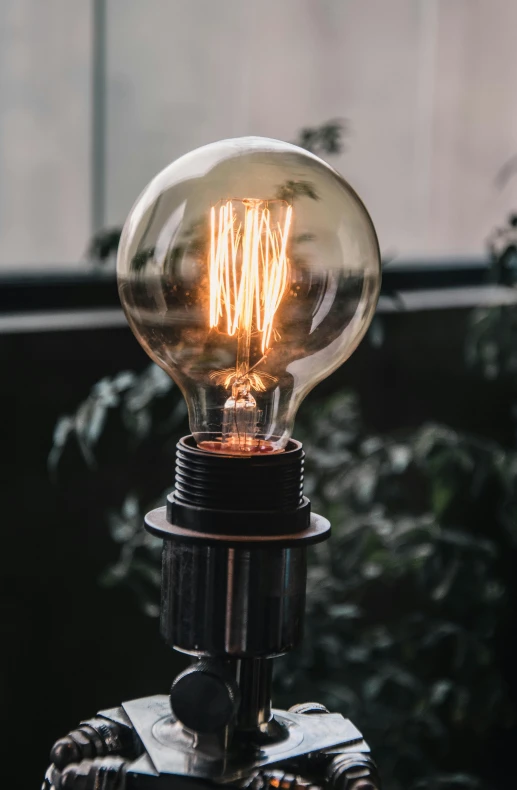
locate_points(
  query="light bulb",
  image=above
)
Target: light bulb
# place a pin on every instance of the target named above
(249, 270)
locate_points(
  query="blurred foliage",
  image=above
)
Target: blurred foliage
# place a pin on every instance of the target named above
(125, 434)
(324, 140)
(492, 341)
(104, 245)
(502, 249)
(133, 399)
(403, 601)
(491, 345)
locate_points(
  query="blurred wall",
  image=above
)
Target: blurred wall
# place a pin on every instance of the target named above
(428, 87)
(45, 54)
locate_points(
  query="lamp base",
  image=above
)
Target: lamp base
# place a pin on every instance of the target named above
(142, 746)
(235, 533)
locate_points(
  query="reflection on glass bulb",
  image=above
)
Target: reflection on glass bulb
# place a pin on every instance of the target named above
(249, 270)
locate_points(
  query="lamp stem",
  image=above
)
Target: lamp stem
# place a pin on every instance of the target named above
(254, 677)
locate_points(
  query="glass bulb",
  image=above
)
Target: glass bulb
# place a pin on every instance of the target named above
(249, 270)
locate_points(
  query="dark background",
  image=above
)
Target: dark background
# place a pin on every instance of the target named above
(72, 647)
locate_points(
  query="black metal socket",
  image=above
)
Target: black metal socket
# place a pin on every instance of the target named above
(236, 495)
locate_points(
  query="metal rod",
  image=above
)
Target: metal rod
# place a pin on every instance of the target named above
(254, 677)
(98, 128)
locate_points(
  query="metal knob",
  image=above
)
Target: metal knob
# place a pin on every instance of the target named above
(204, 699)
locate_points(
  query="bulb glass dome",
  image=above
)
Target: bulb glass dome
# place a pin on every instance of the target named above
(249, 270)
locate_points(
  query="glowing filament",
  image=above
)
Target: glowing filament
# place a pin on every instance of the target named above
(248, 268)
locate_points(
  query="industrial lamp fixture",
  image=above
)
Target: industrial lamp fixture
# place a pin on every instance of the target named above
(249, 270)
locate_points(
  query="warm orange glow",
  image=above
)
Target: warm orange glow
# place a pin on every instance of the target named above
(256, 381)
(248, 270)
